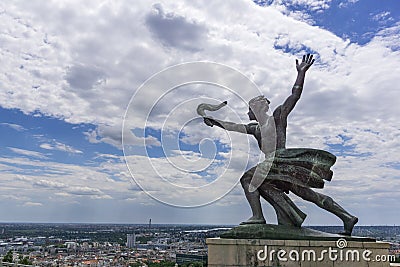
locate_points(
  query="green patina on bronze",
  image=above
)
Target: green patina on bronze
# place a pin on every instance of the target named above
(302, 166)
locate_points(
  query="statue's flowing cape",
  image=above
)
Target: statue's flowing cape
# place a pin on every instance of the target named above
(305, 167)
(285, 168)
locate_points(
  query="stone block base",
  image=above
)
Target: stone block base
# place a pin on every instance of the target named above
(296, 253)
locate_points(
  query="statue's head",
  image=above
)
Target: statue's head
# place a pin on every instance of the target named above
(260, 102)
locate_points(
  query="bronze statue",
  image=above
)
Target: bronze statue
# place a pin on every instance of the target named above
(290, 170)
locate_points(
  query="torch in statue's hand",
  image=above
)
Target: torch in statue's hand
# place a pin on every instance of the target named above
(203, 107)
(207, 119)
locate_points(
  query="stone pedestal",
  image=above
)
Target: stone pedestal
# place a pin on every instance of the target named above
(296, 253)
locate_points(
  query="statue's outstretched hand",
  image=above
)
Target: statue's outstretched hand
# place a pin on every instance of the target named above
(209, 121)
(305, 63)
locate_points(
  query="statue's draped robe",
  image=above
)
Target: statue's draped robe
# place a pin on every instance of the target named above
(303, 167)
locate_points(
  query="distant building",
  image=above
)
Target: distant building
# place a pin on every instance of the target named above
(186, 258)
(131, 240)
(3, 248)
(71, 245)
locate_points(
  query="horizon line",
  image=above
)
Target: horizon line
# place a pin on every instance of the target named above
(183, 224)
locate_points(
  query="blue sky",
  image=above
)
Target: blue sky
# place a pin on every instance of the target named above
(53, 138)
(356, 20)
(69, 71)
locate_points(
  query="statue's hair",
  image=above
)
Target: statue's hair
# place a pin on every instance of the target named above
(258, 98)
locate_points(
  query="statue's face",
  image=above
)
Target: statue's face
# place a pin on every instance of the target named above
(264, 106)
(251, 115)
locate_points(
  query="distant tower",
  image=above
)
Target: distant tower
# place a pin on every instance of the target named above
(130, 240)
(150, 224)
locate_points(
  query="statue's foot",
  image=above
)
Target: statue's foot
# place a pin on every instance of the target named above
(254, 220)
(349, 225)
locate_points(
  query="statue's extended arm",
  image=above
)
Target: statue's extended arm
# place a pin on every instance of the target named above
(229, 126)
(297, 89)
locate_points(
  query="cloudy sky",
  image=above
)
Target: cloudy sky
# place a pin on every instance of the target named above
(90, 88)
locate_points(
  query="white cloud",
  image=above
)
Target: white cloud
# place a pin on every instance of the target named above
(346, 3)
(119, 69)
(65, 180)
(113, 135)
(49, 184)
(174, 184)
(84, 191)
(314, 5)
(176, 31)
(388, 36)
(28, 153)
(14, 126)
(382, 16)
(60, 147)
(33, 204)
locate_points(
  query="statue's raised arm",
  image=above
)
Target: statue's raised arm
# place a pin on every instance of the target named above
(297, 89)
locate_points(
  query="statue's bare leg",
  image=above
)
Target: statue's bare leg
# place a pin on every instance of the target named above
(327, 203)
(253, 198)
(287, 212)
